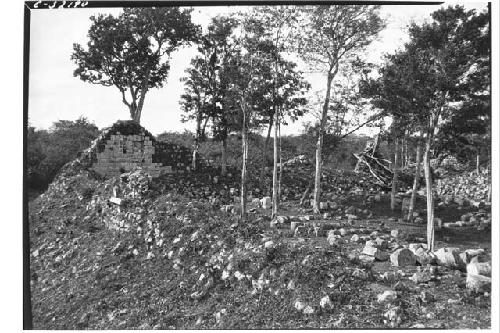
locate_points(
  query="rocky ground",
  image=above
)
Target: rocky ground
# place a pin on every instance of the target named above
(136, 253)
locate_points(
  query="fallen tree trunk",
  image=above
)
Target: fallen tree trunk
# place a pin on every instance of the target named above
(377, 167)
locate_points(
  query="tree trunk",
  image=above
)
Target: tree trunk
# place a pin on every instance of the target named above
(402, 161)
(275, 167)
(428, 190)
(416, 182)
(144, 90)
(395, 175)
(195, 155)
(244, 147)
(224, 156)
(489, 167)
(133, 113)
(306, 192)
(477, 163)
(280, 170)
(375, 144)
(407, 153)
(196, 141)
(264, 150)
(319, 145)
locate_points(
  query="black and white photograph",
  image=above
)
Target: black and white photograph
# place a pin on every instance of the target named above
(225, 165)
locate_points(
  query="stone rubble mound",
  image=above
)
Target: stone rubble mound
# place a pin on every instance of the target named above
(467, 188)
(126, 145)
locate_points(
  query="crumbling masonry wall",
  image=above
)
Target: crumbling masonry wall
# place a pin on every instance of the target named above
(124, 153)
(125, 146)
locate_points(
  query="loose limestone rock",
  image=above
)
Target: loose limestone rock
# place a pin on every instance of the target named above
(381, 243)
(395, 233)
(350, 210)
(424, 257)
(478, 283)
(387, 296)
(421, 277)
(419, 220)
(448, 256)
(366, 258)
(474, 252)
(381, 256)
(438, 222)
(299, 305)
(116, 201)
(325, 302)
(294, 225)
(403, 257)
(266, 202)
(479, 268)
(282, 219)
(413, 247)
(376, 253)
(333, 239)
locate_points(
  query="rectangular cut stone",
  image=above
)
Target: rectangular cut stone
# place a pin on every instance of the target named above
(116, 201)
(403, 257)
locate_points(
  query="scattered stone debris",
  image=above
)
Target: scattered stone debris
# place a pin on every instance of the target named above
(466, 188)
(131, 230)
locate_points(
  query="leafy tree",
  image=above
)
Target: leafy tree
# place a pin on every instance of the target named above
(131, 51)
(35, 156)
(249, 74)
(49, 150)
(348, 111)
(272, 24)
(329, 35)
(207, 96)
(282, 96)
(194, 101)
(389, 92)
(467, 132)
(427, 79)
(445, 54)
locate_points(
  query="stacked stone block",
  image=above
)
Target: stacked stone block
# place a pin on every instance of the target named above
(124, 153)
(125, 146)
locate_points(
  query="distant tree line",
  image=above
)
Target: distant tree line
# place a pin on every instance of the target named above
(48, 150)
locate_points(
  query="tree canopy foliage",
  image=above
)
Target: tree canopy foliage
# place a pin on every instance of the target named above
(430, 85)
(131, 51)
(49, 150)
(331, 34)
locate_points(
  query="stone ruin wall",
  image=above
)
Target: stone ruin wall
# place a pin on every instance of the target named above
(123, 153)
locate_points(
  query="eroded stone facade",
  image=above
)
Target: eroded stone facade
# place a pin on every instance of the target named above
(123, 153)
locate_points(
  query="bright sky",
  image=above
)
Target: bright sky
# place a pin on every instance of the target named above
(54, 94)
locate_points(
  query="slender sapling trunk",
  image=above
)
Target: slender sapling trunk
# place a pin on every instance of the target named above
(264, 151)
(428, 190)
(319, 144)
(395, 175)
(416, 182)
(224, 157)
(275, 167)
(244, 165)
